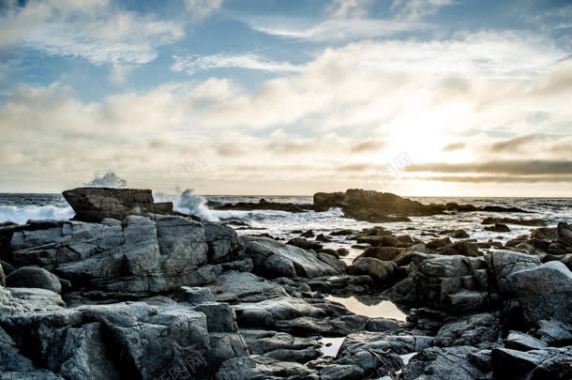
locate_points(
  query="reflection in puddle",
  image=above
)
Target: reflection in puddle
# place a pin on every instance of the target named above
(331, 346)
(384, 309)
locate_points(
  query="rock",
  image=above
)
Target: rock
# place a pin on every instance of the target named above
(521, 222)
(464, 248)
(381, 253)
(517, 340)
(274, 259)
(539, 293)
(106, 342)
(245, 287)
(223, 243)
(307, 234)
(549, 363)
(220, 316)
(150, 254)
(455, 284)
(305, 244)
(264, 341)
(2, 276)
(342, 252)
(7, 267)
(477, 330)
(323, 238)
(18, 301)
(195, 295)
(457, 234)
(262, 204)
(544, 233)
(447, 363)
(439, 243)
(34, 277)
(498, 227)
(93, 204)
(262, 367)
(379, 271)
(555, 333)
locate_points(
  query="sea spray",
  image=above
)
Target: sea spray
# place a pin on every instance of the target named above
(21, 214)
(109, 179)
(195, 205)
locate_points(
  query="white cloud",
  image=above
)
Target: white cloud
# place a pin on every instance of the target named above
(348, 8)
(336, 29)
(418, 9)
(94, 30)
(192, 64)
(202, 8)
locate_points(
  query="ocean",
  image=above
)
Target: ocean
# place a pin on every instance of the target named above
(19, 208)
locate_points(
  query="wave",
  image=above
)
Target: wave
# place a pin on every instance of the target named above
(21, 214)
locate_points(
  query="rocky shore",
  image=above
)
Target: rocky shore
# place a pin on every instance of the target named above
(130, 289)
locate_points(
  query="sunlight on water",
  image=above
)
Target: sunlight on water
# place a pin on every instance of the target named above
(384, 309)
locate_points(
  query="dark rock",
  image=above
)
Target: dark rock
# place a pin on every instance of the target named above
(245, 287)
(381, 253)
(195, 295)
(544, 233)
(308, 234)
(323, 238)
(342, 252)
(438, 243)
(93, 204)
(457, 234)
(34, 277)
(262, 204)
(555, 333)
(7, 267)
(549, 363)
(380, 271)
(274, 259)
(498, 227)
(305, 244)
(2, 276)
(477, 330)
(521, 222)
(517, 340)
(447, 363)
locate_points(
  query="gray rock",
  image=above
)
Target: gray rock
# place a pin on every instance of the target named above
(549, 363)
(2, 276)
(195, 295)
(478, 330)
(381, 253)
(223, 243)
(379, 271)
(220, 316)
(523, 342)
(34, 277)
(262, 367)
(17, 301)
(274, 259)
(539, 293)
(447, 363)
(245, 287)
(341, 372)
(260, 342)
(93, 204)
(555, 333)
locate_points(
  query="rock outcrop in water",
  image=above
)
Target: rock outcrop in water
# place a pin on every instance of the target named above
(378, 207)
(93, 204)
(163, 296)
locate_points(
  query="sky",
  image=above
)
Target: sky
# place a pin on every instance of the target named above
(416, 97)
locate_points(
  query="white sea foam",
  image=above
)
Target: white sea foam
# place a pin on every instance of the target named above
(21, 214)
(188, 202)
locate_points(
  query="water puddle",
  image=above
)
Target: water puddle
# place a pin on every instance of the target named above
(384, 309)
(331, 346)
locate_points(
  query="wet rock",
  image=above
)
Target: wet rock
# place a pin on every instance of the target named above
(93, 204)
(381, 253)
(307, 234)
(439, 243)
(549, 363)
(195, 295)
(379, 271)
(342, 252)
(262, 367)
(245, 287)
(34, 277)
(539, 293)
(323, 238)
(305, 244)
(262, 204)
(544, 233)
(498, 227)
(464, 248)
(478, 330)
(274, 259)
(517, 340)
(521, 222)
(457, 234)
(447, 363)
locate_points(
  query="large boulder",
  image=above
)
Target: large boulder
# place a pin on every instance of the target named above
(34, 277)
(455, 284)
(549, 364)
(142, 254)
(274, 259)
(93, 204)
(539, 293)
(115, 341)
(380, 271)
